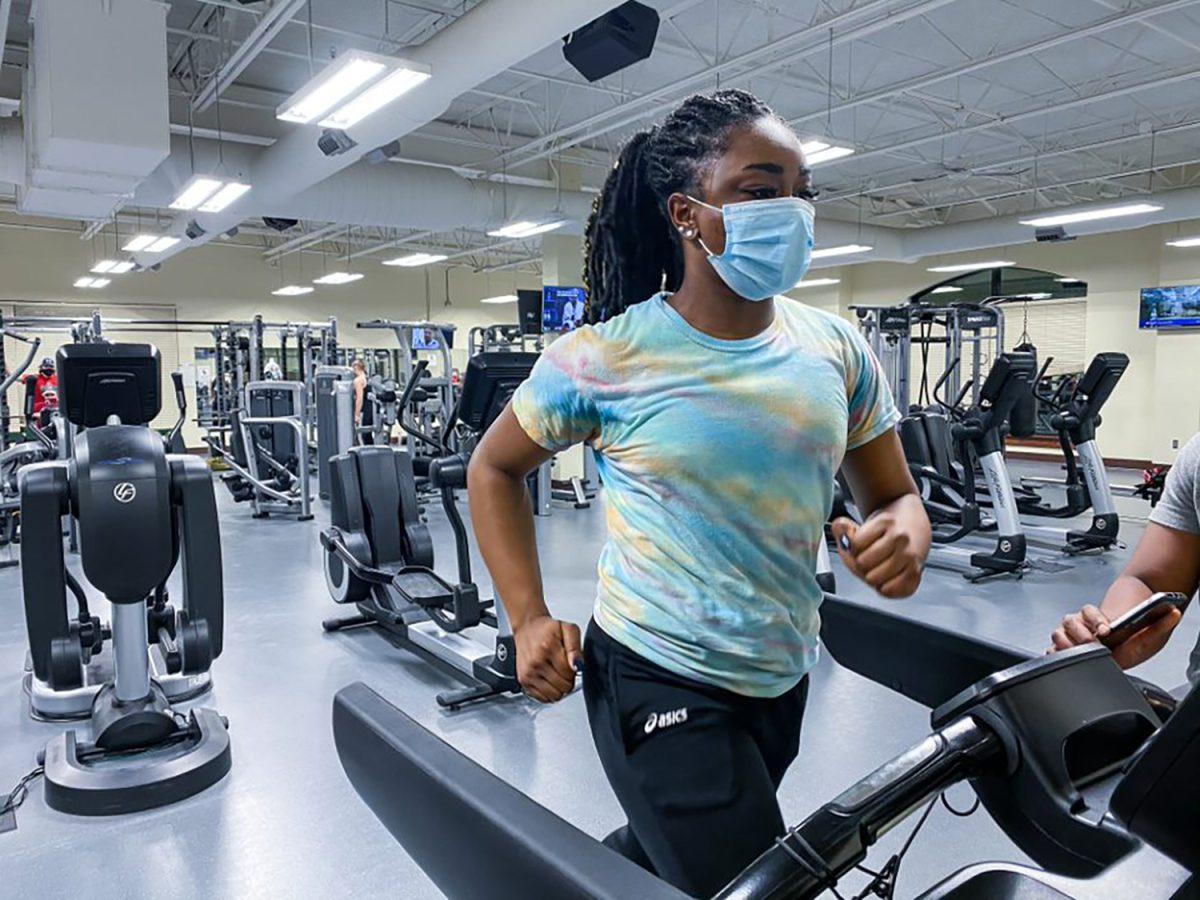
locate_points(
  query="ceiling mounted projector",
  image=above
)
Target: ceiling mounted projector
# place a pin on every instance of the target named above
(612, 42)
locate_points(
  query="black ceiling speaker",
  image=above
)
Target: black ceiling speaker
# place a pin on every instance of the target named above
(615, 40)
(279, 224)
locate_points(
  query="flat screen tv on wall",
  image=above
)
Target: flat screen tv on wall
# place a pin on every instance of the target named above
(1170, 307)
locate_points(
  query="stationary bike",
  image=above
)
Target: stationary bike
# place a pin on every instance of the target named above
(137, 509)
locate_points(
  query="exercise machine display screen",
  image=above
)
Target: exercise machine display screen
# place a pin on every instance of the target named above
(1170, 307)
(562, 308)
(426, 339)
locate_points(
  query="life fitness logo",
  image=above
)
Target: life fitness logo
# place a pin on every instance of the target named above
(124, 492)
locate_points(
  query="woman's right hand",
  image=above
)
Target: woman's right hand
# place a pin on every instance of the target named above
(548, 652)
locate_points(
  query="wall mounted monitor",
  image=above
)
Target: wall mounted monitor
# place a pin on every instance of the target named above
(562, 308)
(1170, 307)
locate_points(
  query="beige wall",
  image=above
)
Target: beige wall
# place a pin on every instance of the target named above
(1158, 400)
(229, 283)
(1157, 403)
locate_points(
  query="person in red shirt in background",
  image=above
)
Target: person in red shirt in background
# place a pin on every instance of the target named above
(46, 379)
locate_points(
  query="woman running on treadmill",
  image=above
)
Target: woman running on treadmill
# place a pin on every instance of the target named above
(720, 412)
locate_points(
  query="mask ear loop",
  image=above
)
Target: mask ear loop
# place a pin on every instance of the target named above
(693, 234)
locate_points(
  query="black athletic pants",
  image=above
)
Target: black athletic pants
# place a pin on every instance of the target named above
(694, 767)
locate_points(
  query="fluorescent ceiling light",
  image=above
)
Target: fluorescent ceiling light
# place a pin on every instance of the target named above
(819, 282)
(339, 80)
(198, 189)
(503, 298)
(1069, 280)
(163, 243)
(1092, 215)
(1038, 296)
(415, 259)
(141, 242)
(125, 265)
(844, 250)
(338, 278)
(406, 77)
(971, 267)
(105, 265)
(101, 282)
(1185, 242)
(525, 229)
(222, 198)
(292, 290)
(817, 152)
(87, 282)
(946, 289)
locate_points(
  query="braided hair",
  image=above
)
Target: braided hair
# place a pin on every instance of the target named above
(631, 250)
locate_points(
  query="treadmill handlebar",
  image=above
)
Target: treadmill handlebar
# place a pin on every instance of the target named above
(812, 856)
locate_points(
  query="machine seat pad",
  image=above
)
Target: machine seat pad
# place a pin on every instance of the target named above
(422, 586)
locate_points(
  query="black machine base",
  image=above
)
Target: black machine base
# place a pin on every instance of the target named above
(1102, 535)
(84, 780)
(494, 676)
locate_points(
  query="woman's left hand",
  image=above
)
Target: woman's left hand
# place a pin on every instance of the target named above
(884, 552)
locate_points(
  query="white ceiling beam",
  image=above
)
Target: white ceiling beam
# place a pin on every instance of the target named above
(925, 81)
(264, 32)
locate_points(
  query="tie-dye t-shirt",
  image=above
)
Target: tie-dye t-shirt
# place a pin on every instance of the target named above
(717, 459)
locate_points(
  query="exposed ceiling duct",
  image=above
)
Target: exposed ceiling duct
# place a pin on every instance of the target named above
(95, 103)
(492, 37)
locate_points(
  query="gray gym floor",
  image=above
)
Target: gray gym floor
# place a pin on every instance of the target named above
(287, 823)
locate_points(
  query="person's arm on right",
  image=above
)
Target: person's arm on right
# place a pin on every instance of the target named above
(502, 515)
(1166, 559)
(360, 389)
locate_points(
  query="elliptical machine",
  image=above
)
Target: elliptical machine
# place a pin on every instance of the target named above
(943, 450)
(137, 508)
(1075, 420)
(379, 555)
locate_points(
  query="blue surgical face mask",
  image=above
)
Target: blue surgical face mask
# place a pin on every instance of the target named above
(768, 245)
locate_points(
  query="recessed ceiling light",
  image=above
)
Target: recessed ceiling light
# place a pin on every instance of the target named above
(525, 229)
(503, 298)
(415, 259)
(844, 250)
(1092, 215)
(338, 278)
(971, 267)
(105, 265)
(946, 289)
(292, 290)
(1069, 280)
(1185, 242)
(819, 282)
(86, 282)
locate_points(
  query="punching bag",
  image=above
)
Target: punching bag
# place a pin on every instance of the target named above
(1022, 422)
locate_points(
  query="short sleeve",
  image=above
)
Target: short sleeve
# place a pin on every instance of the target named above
(868, 395)
(1177, 508)
(554, 405)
